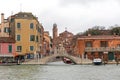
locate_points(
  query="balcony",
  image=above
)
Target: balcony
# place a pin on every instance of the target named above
(102, 49)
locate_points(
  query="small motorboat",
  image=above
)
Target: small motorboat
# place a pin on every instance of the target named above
(67, 61)
(97, 61)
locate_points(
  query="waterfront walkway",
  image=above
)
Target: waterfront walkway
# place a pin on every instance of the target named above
(83, 62)
(51, 58)
(39, 62)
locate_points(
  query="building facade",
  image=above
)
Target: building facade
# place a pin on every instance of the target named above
(47, 41)
(101, 46)
(4, 26)
(7, 49)
(28, 33)
(64, 39)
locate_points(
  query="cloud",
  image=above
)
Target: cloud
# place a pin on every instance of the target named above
(78, 18)
(83, 2)
(76, 15)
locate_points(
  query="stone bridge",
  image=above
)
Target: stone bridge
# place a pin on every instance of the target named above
(50, 58)
(47, 59)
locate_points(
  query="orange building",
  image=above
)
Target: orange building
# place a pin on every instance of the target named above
(100, 46)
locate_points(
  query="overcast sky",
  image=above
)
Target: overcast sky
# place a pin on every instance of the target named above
(76, 15)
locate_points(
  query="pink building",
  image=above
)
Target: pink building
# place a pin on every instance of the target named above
(7, 48)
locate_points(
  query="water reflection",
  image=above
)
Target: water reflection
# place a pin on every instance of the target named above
(60, 71)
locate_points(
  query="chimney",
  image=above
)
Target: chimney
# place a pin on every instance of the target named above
(114, 34)
(89, 34)
(2, 17)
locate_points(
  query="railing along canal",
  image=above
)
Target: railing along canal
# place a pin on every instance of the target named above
(92, 49)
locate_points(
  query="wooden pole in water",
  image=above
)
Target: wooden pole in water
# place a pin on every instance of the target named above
(117, 58)
(117, 61)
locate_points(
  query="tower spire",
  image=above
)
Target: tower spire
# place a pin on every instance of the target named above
(55, 34)
(65, 28)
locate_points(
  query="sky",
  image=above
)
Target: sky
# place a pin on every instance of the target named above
(74, 15)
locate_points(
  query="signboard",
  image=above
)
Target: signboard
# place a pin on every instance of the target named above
(105, 52)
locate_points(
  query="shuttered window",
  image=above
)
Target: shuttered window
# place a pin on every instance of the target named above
(10, 48)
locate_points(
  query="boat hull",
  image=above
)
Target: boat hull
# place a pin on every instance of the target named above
(67, 61)
(97, 61)
(8, 64)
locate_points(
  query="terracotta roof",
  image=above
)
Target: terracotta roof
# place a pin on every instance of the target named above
(6, 40)
(100, 37)
(66, 34)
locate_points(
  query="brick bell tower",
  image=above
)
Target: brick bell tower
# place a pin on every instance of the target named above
(55, 34)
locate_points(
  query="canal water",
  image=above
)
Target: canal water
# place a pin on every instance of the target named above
(60, 71)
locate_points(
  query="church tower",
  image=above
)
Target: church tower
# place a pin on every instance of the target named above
(55, 34)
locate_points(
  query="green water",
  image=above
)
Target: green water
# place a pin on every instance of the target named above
(60, 71)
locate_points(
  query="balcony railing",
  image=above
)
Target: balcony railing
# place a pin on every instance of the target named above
(101, 49)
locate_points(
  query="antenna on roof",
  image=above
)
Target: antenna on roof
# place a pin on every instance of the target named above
(11, 12)
(21, 7)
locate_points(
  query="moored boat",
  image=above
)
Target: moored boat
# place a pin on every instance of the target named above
(8, 64)
(3, 63)
(67, 61)
(97, 61)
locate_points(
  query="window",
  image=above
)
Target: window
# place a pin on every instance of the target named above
(32, 38)
(6, 29)
(39, 30)
(19, 48)
(25, 15)
(88, 44)
(12, 20)
(18, 37)
(18, 25)
(9, 48)
(104, 43)
(118, 45)
(31, 26)
(31, 48)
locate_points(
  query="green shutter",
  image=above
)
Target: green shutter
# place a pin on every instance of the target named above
(10, 48)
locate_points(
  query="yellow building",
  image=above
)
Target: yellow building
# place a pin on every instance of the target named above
(27, 31)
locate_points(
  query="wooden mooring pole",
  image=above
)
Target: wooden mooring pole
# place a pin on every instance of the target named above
(117, 61)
